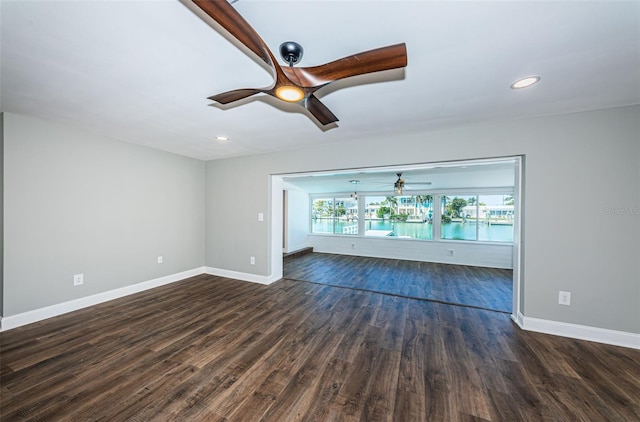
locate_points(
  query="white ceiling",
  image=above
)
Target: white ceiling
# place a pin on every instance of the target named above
(140, 71)
(435, 177)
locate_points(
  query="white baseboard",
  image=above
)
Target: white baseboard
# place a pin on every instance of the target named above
(581, 332)
(518, 319)
(254, 278)
(18, 320)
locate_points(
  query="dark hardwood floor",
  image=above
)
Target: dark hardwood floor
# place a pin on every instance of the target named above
(487, 288)
(214, 349)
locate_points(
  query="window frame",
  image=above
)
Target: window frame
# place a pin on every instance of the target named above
(335, 198)
(436, 195)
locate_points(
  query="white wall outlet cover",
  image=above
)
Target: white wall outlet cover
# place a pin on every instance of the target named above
(160, 260)
(253, 260)
(260, 216)
(564, 298)
(78, 279)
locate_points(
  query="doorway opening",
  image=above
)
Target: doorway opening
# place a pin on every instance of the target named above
(472, 183)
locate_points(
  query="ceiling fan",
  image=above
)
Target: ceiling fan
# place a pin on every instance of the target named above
(399, 184)
(297, 84)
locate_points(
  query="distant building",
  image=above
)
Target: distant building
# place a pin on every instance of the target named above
(489, 212)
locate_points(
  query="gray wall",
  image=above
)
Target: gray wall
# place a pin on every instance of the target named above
(582, 173)
(79, 203)
(297, 218)
(233, 232)
(1, 214)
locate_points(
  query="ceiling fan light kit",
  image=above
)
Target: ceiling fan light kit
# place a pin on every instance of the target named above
(297, 84)
(398, 185)
(289, 93)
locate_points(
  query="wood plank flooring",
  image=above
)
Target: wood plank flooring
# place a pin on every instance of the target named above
(214, 349)
(488, 288)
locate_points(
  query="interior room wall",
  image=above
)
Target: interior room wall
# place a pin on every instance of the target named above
(234, 233)
(297, 213)
(1, 214)
(77, 203)
(464, 253)
(482, 254)
(581, 175)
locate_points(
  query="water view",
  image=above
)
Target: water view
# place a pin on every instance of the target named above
(486, 217)
(424, 231)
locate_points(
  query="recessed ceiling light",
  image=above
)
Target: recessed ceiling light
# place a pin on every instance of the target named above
(525, 82)
(354, 182)
(222, 139)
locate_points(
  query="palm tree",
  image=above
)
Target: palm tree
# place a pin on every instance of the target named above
(445, 199)
(424, 200)
(392, 201)
(328, 208)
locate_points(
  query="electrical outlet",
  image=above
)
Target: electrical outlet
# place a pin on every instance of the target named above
(160, 260)
(451, 252)
(564, 298)
(260, 216)
(353, 246)
(253, 260)
(78, 279)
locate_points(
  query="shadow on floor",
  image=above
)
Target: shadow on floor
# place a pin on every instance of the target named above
(486, 288)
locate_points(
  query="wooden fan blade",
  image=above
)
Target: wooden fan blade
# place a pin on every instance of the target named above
(385, 58)
(235, 95)
(319, 110)
(225, 15)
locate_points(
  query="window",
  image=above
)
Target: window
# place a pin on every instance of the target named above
(496, 218)
(322, 215)
(467, 217)
(457, 222)
(399, 216)
(487, 218)
(334, 215)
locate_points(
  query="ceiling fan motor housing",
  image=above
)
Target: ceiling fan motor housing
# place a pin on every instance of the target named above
(291, 52)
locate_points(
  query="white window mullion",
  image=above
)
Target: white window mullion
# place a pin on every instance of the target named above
(361, 213)
(477, 217)
(437, 213)
(333, 219)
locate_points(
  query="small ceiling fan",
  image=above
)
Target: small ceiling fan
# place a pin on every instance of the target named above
(399, 184)
(297, 84)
